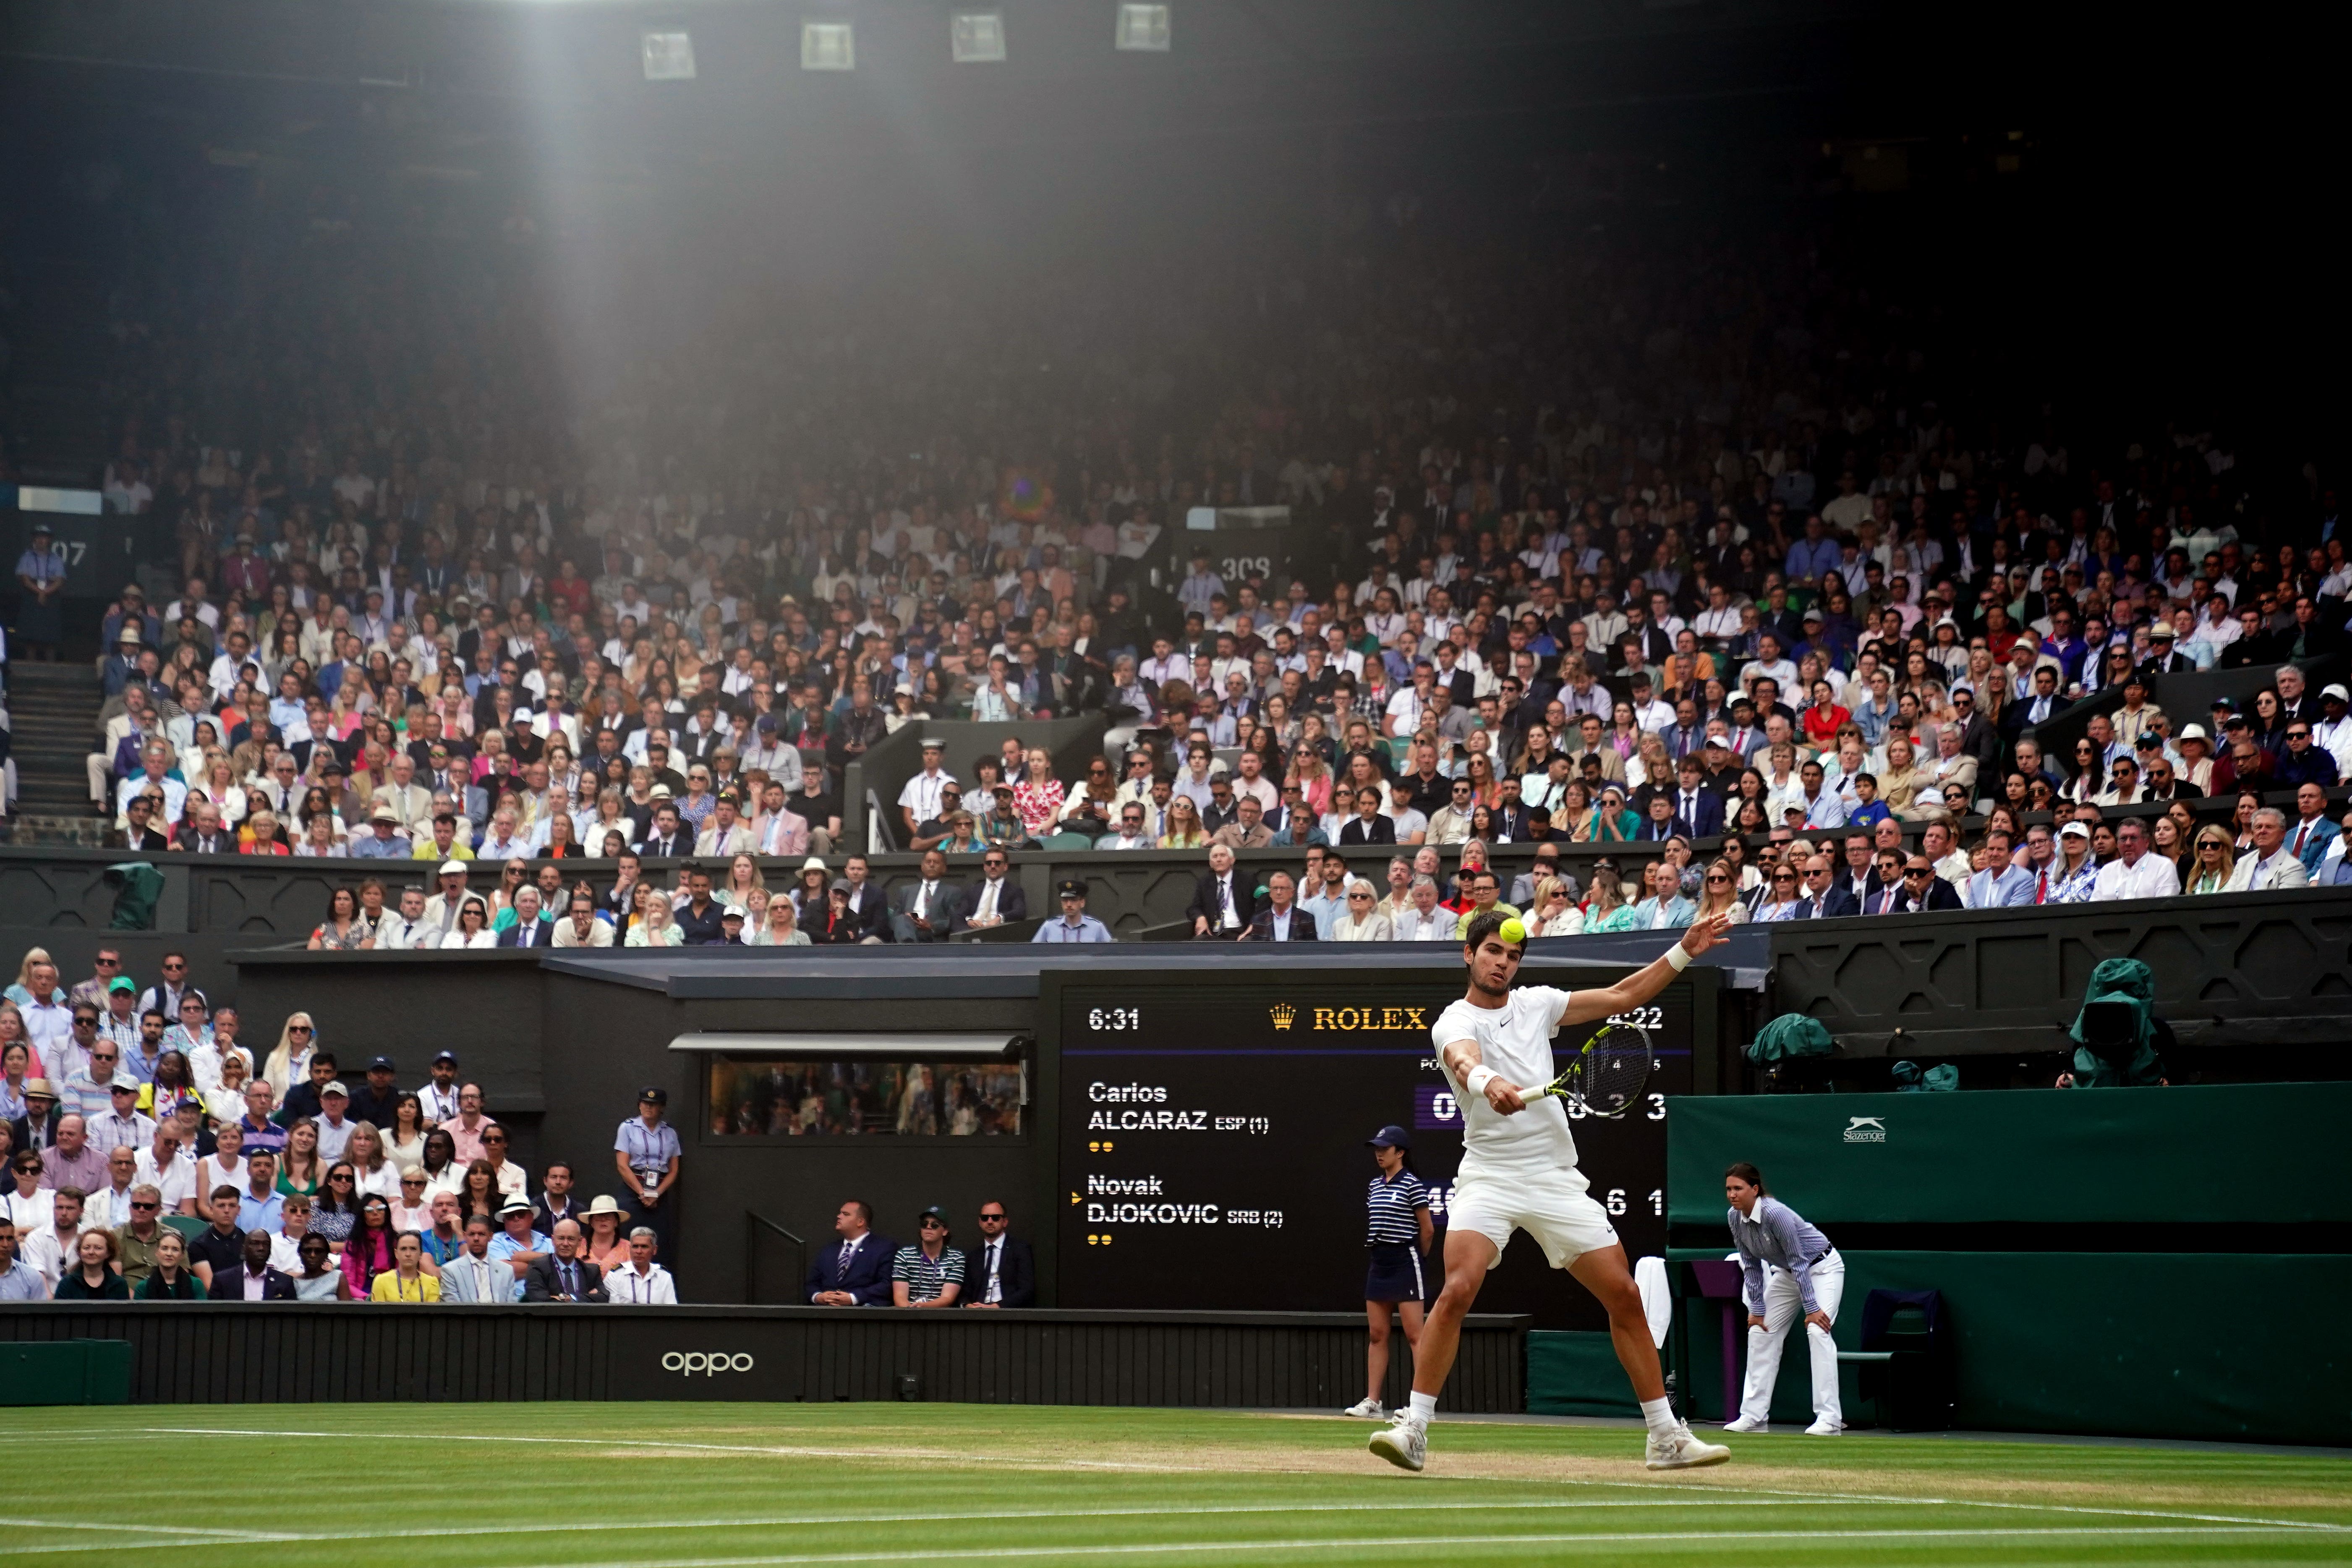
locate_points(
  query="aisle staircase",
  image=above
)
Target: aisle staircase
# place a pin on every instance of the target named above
(52, 717)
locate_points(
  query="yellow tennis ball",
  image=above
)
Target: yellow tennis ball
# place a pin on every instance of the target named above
(1513, 931)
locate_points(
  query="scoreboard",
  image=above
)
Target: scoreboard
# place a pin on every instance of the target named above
(1211, 1143)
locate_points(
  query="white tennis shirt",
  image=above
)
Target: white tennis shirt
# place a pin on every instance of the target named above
(1516, 1041)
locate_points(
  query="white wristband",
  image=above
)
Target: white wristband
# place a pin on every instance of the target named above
(1480, 1077)
(1678, 958)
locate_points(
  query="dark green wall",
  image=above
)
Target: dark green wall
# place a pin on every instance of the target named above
(2210, 1155)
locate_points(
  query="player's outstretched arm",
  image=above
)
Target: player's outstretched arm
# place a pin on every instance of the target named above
(1462, 1057)
(1637, 988)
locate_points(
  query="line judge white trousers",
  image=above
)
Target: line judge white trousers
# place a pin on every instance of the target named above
(1783, 1307)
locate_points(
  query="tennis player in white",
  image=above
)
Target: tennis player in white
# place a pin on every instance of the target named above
(1518, 1173)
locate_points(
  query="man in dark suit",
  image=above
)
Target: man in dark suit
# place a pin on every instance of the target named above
(668, 838)
(1823, 900)
(531, 928)
(251, 1279)
(996, 898)
(2044, 705)
(866, 900)
(1698, 810)
(2163, 656)
(1281, 919)
(38, 1128)
(1925, 891)
(1001, 1271)
(567, 1276)
(928, 908)
(855, 1271)
(1977, 737)
(1368, 825)
(1222, 904)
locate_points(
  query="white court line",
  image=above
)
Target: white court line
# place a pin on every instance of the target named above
(307, 1538)
(143, 1528)
(1358, 1543)
(1697, 1488)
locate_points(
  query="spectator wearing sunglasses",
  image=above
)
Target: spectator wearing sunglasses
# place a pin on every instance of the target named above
(164, 996)
(1923, 890)
(1780, 898)
(138, 1230)
(996, 898)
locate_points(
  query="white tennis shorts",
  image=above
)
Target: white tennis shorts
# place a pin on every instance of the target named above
(1550, 1206)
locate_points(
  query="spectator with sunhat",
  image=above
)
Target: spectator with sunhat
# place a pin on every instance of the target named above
(383, 840)
(520, 1243)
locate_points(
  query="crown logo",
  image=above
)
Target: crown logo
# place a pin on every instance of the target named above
(1282, 1013)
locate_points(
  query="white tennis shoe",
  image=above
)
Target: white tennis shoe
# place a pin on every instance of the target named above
(1371, 1409)
(1403, 1443)
(1825, 1428)
(1678, 1450)
(1744, 1425)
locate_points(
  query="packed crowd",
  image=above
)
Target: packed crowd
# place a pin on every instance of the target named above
(153, 1153)
(1749, 577)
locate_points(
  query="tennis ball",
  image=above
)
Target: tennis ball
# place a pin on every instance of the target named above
(1513, 931)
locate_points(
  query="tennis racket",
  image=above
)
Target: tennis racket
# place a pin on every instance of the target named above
(1607, 1077)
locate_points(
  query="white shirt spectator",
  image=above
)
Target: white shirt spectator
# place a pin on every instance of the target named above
(2153, 878)
(176, 1181)
(175, 796)
(921, 794)
(334, 1137)
(625, 1287)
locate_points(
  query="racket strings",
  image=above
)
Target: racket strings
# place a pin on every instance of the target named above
(1615, 1071)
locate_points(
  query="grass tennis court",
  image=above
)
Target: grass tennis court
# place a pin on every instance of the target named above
(575, 1485)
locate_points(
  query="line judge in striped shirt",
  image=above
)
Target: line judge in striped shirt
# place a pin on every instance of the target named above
(1397, 1235)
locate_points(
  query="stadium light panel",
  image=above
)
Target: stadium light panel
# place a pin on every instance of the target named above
(670, 56)
(977, 37)
(827, 46)
(1143, 28)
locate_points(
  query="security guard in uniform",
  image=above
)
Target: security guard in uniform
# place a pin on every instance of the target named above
(646, 1152)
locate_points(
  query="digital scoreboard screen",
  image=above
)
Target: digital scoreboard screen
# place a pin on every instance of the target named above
(1212, 1139)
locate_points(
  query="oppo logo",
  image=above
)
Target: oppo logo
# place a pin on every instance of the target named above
(689, 1363)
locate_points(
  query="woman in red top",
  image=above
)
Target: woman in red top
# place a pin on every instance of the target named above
(1038, 797)
(1822, 718)
(262, 835)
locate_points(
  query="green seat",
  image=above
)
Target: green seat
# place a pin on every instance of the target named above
(189, 1226)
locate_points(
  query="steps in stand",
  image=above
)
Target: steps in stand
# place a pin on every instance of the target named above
(53, 726)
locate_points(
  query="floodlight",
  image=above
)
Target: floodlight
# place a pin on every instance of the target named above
(977, 37)
(827, 46)
(1143, 28)
(670, 56)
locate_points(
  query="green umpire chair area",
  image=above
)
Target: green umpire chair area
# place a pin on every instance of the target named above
(2141, 1262)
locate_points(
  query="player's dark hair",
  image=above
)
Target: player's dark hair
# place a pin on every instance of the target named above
(1746, 1173)
(1484, 926)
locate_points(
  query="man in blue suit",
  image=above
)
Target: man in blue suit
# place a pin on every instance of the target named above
(530, 929)
(1824, 900)
(854, 1272)
(1698, 810)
